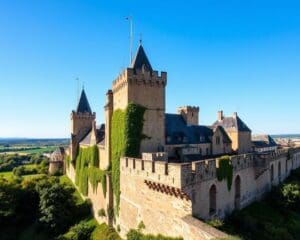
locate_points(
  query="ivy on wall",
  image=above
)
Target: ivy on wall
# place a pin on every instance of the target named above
(225, 171)
(68, 161)
(87, 162)
(126, 137)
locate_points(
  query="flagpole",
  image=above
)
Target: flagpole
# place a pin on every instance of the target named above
(130, 19)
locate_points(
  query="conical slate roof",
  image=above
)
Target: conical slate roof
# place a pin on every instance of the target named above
(141, 61)
(83, 104)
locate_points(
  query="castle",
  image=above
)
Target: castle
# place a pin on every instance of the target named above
(166, 170)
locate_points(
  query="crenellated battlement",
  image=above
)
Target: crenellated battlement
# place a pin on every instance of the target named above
(243, 161)
(170, 174)
(138, 77)
(79, 115)
(182, 174)
(155, 156)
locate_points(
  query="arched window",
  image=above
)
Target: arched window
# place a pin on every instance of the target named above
(237, 193)
(272, 173)
(212, 200)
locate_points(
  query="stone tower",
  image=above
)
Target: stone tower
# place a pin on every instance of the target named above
(81, 123)
(190, 114)
(142, 85)
(108, 115)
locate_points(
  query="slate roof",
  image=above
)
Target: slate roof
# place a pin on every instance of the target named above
(233, 123)
(261, 141)
(178, 132)
(83, 104)
(141, 60)
(100, 136)
(226, 138)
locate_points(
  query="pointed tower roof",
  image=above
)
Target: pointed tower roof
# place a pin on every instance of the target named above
(83, 104)
(141, 60)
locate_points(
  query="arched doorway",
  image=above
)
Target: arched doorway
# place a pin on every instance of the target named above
(237, 193)
(212, 200)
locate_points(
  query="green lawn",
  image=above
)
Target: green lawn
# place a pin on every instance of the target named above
(9, 175)
(28, 150)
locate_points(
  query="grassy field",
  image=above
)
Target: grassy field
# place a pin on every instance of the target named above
(10, 174)
(24, 150)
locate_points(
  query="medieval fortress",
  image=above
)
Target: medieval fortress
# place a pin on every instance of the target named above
(183, 173)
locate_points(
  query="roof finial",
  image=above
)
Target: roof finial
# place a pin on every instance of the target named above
(82, 85)
(141, 39)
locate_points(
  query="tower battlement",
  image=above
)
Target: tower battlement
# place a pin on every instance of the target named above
(139, 77)
(85, 115)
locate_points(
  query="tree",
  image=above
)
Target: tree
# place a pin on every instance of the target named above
(56, 206)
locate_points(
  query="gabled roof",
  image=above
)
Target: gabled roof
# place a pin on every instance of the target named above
(100, 136)
(263, 141)
(226, 138)
(83, 104)
(141, 61)
(232, 123)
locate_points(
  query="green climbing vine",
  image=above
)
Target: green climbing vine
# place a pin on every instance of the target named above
(126, 137)
(67, 160)
(225, 171)
(87, 162)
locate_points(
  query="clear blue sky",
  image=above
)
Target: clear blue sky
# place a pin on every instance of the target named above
(238, 55)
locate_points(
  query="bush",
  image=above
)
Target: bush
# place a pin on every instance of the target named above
(22, 170)
(56, 206)
(101, 213)
(137, 235)
(81, 231)
(217, 223)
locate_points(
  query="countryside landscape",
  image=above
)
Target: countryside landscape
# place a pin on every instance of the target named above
(161, 120)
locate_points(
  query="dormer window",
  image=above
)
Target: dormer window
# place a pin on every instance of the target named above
(201, 138)
(169, 139)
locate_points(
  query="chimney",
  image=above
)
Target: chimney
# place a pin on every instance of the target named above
(220, 115)
(235, 114)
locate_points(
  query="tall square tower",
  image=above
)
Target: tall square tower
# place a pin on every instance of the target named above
(142, 85)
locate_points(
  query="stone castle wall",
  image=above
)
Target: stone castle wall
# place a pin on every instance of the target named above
(163, 208)
(163, 194)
